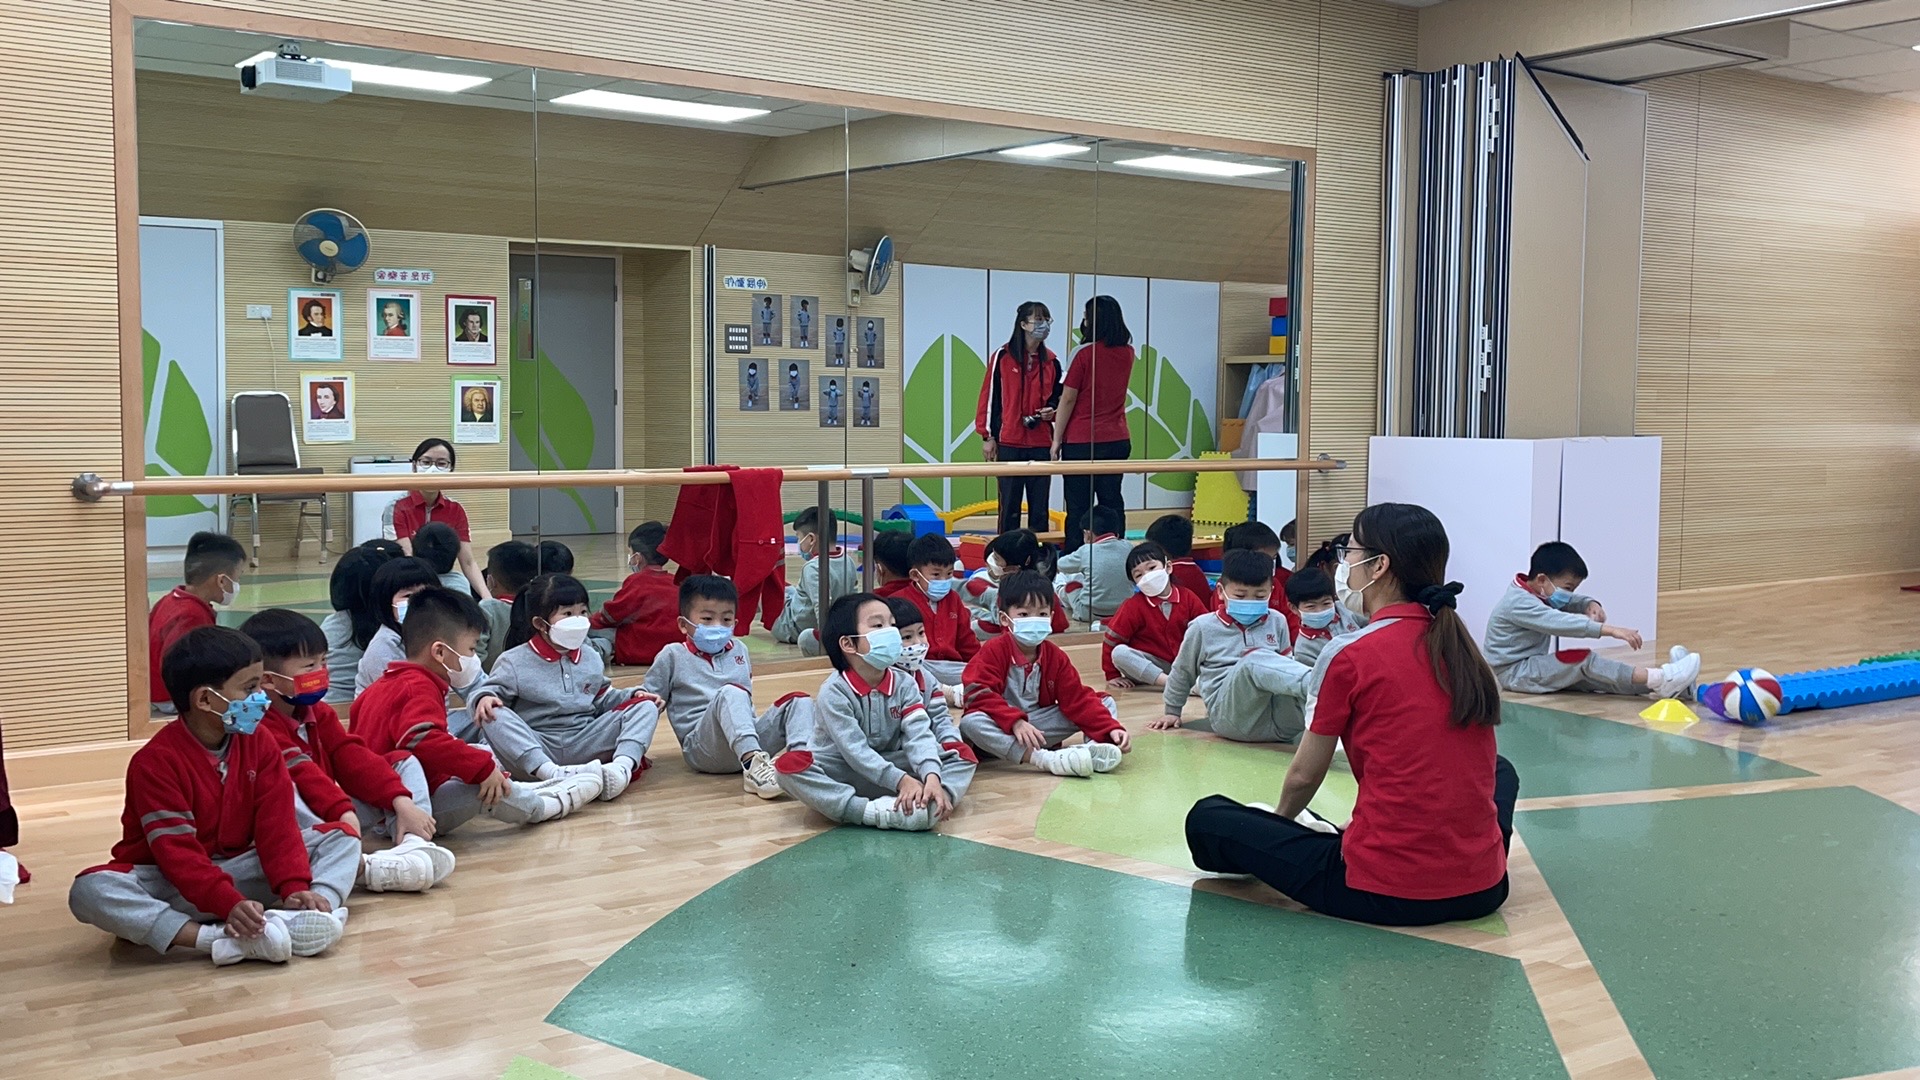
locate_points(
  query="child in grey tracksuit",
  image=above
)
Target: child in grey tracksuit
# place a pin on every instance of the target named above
(1236, 655)
(1541, 605)
(1092, 579)
(799, 621)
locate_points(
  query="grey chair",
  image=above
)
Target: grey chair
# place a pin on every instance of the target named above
(262, 444)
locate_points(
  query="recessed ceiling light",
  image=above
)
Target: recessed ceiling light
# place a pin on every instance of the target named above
(442, 82)
(1177, 163)
(1046, 151)
(653, 106)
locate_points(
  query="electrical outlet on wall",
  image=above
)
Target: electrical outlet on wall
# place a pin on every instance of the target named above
(259, 311)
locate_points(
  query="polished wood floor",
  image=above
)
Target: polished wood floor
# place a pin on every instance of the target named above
(456, 983)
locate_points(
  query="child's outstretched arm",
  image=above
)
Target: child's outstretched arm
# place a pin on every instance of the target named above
(1180, 680)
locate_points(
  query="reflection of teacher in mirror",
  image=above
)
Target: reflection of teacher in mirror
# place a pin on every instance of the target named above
(434, 457)
(1015, 415)
(326, 402)
(313, 320)
(472, 326)
(476, 405)
(393, 319)
(1091, 424)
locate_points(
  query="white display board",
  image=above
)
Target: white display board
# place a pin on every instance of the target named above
(1610, 513)
(370, 506)
(1179, 369)
(1276, 494)
(944, 333)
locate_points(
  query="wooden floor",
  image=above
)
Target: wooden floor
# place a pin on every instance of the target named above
(456, 983)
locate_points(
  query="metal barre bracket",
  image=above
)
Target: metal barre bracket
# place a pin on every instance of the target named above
(88, 487)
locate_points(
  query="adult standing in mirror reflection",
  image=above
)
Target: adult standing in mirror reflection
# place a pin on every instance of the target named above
(1091, 423)
(1018, 402)
(414, 509)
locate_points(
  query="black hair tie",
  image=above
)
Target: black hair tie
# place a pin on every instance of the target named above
(1435, 597)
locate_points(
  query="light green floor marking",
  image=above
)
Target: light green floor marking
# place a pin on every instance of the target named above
(525, 1068)
(1750, 935)
(867, 954)
(1563, 753)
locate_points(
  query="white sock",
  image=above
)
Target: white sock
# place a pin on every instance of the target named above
(209, 933)
(1655, 678)
(631, 765)
(549, 771)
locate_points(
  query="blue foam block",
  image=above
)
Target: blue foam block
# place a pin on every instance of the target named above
(1859, 684)
(1279, 326)
(924, 520)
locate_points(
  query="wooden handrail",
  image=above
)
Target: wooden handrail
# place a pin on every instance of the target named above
(92, 488)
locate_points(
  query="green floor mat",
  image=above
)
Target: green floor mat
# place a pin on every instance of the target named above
(525, 1068)
(1563, 753)
(867, 954)
(1748, 935)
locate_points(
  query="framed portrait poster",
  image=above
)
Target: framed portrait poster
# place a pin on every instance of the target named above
(471, 329)
(393, 324)
(476, 410)
(313, 324)
(326, 408)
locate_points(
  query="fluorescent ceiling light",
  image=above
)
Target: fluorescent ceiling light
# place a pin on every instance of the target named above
(442, 82)
(653, 106)
(1176, 163)
(1046, 151)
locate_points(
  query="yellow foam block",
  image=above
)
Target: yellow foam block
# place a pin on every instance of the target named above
(1276, 346)
(1218, 498)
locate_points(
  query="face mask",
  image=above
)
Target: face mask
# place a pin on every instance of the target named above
(633, 563)
(569, 633)
(1350, 597)
(911, 657)
(431, 467)
(995, 568)
(1560, 597)
(1319, 620)
(1153, 582)
(1247, 612)
(228, 591)
(712, 639)
(883, 647)
(400, 611)
(1291, 554)
(243, 716)
(1031, 630)
(468, 670)
(1040, 330)
(309, 687)
(938, 588)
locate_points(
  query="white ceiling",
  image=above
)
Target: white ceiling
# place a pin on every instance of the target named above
(1865, 47)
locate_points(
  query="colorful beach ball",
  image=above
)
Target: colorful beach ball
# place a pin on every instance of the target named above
(1749, 696)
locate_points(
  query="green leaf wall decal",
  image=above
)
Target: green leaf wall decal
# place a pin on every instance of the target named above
(149, 371)
(557, 433)
(1164, 417)
(936, 420)
(181, 439)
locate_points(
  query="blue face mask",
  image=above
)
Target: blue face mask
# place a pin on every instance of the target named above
(243, 716)
(1560, 597)
(1247, 612)
(883, 646)
(712, 640)
(938, 588)
(1319, 620)
(1031, 630)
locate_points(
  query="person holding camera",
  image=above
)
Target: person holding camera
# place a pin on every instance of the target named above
(1015, 414)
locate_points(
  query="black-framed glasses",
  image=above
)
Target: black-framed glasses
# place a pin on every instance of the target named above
(1340, 553)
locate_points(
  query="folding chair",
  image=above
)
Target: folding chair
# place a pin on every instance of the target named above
(262, 444)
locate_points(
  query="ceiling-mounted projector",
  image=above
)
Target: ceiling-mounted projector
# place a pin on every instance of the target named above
(292, 76)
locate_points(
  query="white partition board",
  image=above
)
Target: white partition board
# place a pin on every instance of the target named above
(1276, 494)
(1610, 513)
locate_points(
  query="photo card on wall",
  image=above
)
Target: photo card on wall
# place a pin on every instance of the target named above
(476, 410)
(768, 324)
(806, 321)
(832, 401)
(794, 393)
(837, 337)
(870, 340)
(326, 408)
(865, 402)
(393, 324)
(470, 329)
(755, 386)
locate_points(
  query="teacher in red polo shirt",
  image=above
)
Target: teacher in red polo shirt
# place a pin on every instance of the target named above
(1091, 422)
(1415, 705)
(416, 508)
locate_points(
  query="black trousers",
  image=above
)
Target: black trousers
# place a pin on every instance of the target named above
(1035, 489)
(1228, 838)
(1082, 492)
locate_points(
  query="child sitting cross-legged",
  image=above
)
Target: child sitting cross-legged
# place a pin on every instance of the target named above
(1093, 577)
(1322, 617)
(913, 654)
(1144, 636)
(929, 584)
(872, 758)
(405, 710)
(335, 777)
(548, 710)
(1236, 655)
(799, 621)
(1025, 698)
(641, 614)
(208, 836)
(705, 686)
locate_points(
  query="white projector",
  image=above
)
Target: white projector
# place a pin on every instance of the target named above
(295, 79)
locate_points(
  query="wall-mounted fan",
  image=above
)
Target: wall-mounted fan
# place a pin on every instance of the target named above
(869, 269)
(333, 242)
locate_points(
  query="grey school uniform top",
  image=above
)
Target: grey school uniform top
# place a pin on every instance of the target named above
(551, 692)
(861, 722)
(939, 717)
(343, 658)
(457, 581)
(1213, 645)
(499, 613)
(1524, 625)
(1307, 649)
(806, 597)
(1103, 565)
(687, 679)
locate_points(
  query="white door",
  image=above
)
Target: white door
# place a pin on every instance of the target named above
(182, 366)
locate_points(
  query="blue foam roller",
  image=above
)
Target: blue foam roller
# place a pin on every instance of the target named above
(1859, 684)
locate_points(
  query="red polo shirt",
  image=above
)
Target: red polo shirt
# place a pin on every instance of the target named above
(411, 511)
(172, 616)
(1424, 826)
(1100, 373)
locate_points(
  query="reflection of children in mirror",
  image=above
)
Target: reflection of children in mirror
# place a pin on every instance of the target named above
(766, 314)
(795, 396)
(476, 405)
(838, 354)
(753, 385)
(803, 326)
(313, 319)
(865, 395)
(326, 402)
(393, 319)
(832, 396)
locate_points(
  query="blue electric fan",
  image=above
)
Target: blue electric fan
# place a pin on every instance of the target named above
(333, 242)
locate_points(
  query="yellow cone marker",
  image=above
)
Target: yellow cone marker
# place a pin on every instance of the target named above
(1669, 711)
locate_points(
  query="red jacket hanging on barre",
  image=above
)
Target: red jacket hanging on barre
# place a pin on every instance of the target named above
(734, 530)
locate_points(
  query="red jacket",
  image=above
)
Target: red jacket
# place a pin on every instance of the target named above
(1277, 600)
(329, 767)
(1187, 574)
(172, 616)
(646, 612)
(1140, 624)
(1012, 390)
(734, 530)
(1060, 685)
(949, 628)
(406, 709)
(180, 816)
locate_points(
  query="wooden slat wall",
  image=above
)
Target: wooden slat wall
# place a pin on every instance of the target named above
(396, 402)
(661, 423)
(1296, 71)
(1779, 358)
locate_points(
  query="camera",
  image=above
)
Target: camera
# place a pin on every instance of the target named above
(1033, 420)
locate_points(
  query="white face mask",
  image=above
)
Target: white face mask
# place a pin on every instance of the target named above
(1153, 582)
(228, 592)
(911, 657)
(995, 568)
(569, 633)
(467, 672)
(1350, 598)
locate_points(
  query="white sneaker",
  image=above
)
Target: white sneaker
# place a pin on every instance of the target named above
(1067, 761)
(440, 857)
(395, 870)
(312, 932)
(563, 796)
(1676, 678)
(1106, 756)
(1315, 822)
(956, 695)
(274, 946)
(1677, 653)
(9, 876)
(759, 777)
(591, 768)
(615, 776)
(884, 813)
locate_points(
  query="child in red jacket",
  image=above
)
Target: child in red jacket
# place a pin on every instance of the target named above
(1025, 698)
(335, 777)
(951, 641)
(208, 836)
(405, 711)
(645, 614)
(212, 572)
(1144, 636)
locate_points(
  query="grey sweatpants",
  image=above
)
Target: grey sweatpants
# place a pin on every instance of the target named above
(1547, 674)
(949, 672)
(1264, 700)
(1143, 668)
(729, 730)
(525, 749)
(832, 787)
(981, 731)
(376, 820)
(142, 906)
